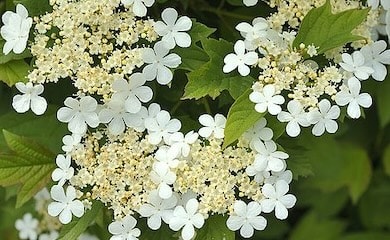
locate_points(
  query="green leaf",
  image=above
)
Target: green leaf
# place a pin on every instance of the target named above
(12, 56)
(209, 78)
(200, 31)
(337, 164)
(242, 116)
(326, 30)
(215, 229)
(382, 101)
(14, 71)
(29, 163)
(312, 226)
(78, 226)
(366, 235)
(35, 7)
(192, 58)
(386, 159)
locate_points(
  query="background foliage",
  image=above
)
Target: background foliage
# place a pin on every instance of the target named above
(342, 181)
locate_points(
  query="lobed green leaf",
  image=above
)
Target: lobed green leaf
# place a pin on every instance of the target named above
(14, 71)
(215, 229)
(326, 30)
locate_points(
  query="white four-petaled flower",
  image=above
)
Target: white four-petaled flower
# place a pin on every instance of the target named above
(79, 114)
(187, 218)
(124, 229)
(246, 218)
(267, 100)
(350, 95)
(324, 118)
(172, 29)
(276, 198)
(64, 171)
(159, 63)
(27, 227)
(29, 98)
(239, 59)
(65, 204)
(212, 125)
(15, 30)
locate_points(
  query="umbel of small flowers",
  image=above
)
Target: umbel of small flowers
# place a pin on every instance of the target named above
(296, 90)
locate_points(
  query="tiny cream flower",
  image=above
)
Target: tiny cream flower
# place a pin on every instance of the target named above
(172, 29)
(246, 218)
(239, 59)
(29, 98)
(267, 100)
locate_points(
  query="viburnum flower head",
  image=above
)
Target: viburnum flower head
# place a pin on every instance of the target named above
(15, 30)
(324, 118)
(65, 204)
(159, 62)
(139, 6)
(29, 98)
(133, 92)
(376, 56)
(187, 218)
(350, 95)
(124, 229)
(296, 117)
(161, 127)
(246, 218)
(267, 100)
(276, 198)
(172, 29)
(64, 171)
(355, 64)
(27, 227)
(240, 59)
(157, 209)
(79, 114)
(212, 125)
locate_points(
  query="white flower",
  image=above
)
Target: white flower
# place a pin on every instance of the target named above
(65, 204)
(246, 218)
(15, 30)
(29, 98)
(268, 152)
(157, 209)
(275, 198)
(168, 155)
(376, 56)
(53, 235)
(252, 34)
(324, 118)
(267, 100)
(240, 59)
(259, 170)
(276, 176)
(79, 114)
(182, 143)
(161, 127)
(295, 117)
(158, 62)
(250, 3)
(258, 132)
(163, 176)
(70, 142)
(64, 171)
(185, 197)
(355, 64)
(124, 229)
(139, 6)
(172, 29)
(215, 126)
(27, 227)
(132, 92)
(116, 116)
(352, 97)
(187, 219)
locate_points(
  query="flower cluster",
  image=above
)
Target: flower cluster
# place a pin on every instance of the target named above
(291, 83)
